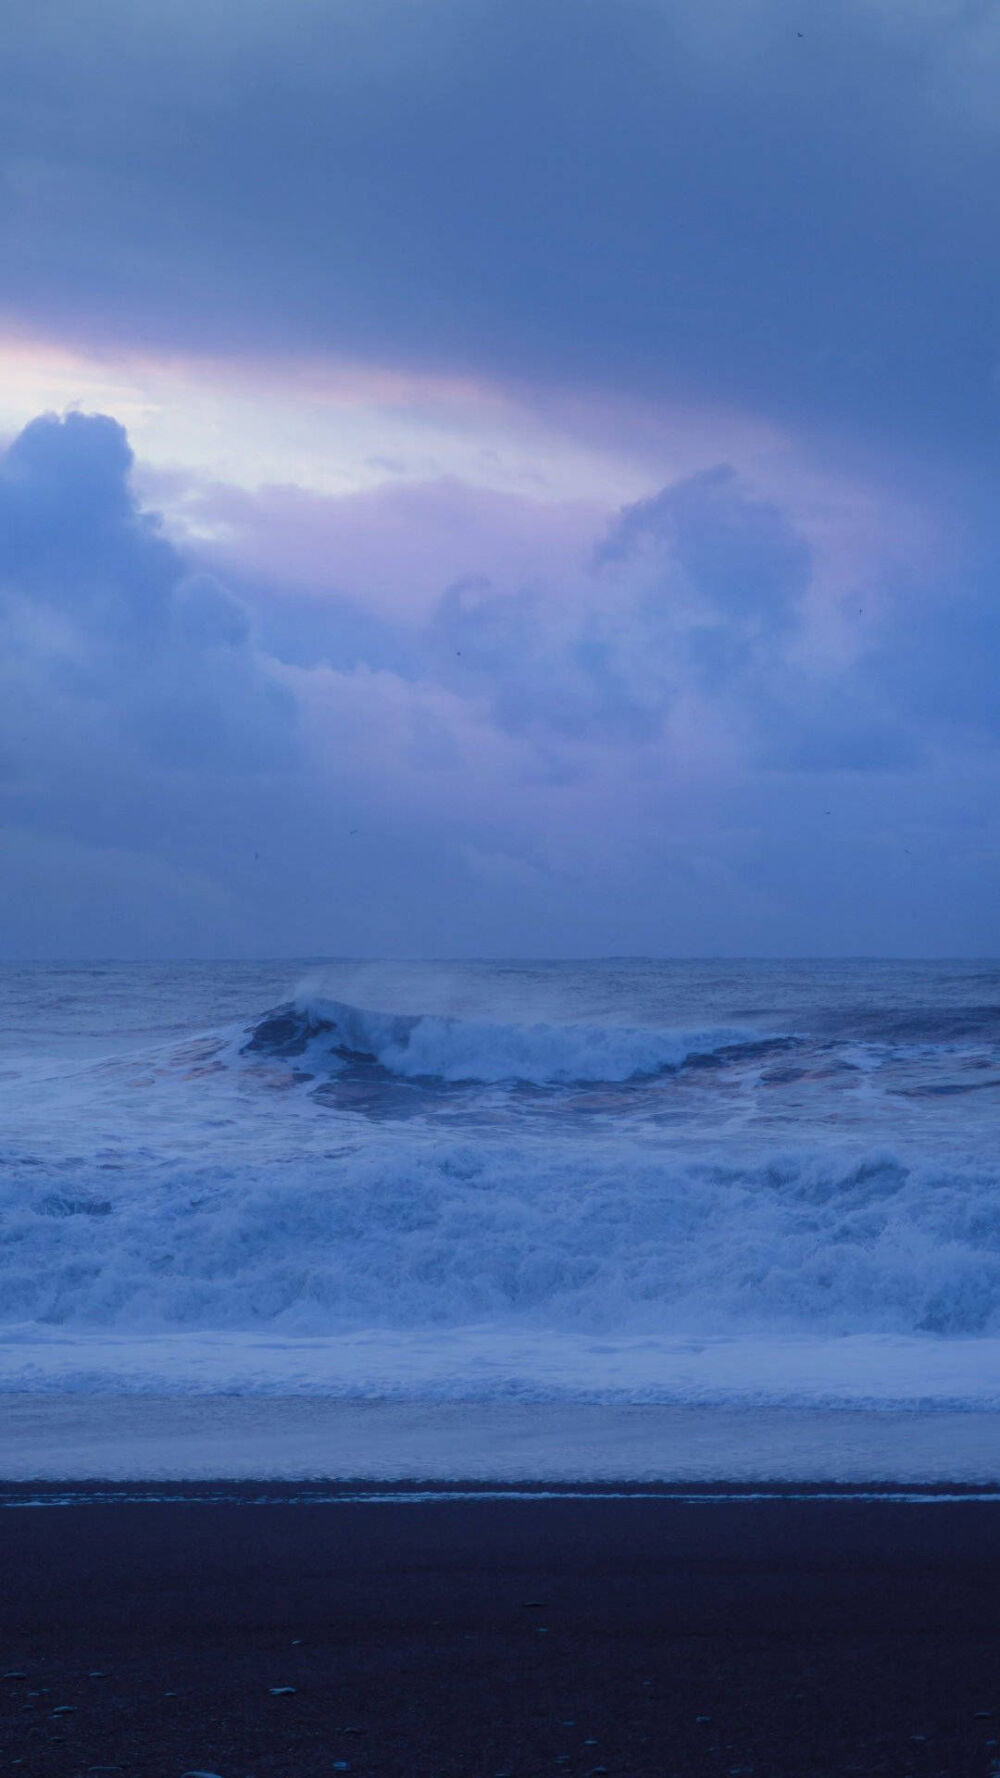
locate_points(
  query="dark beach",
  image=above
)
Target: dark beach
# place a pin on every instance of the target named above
(782, 1636)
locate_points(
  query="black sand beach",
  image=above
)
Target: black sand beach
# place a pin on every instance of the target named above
(778, 1637)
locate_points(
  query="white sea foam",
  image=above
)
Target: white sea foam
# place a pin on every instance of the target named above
(440, 1232)
(492, 1207)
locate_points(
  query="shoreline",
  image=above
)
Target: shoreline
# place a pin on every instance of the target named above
(487, 1364)
(194, 1439)
(410, 1492)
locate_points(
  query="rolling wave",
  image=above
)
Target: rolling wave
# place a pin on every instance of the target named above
(431, 1047)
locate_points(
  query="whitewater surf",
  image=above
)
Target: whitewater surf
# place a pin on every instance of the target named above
(625, 1182)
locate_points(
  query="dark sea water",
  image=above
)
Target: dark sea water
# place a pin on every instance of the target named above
(644, 1179)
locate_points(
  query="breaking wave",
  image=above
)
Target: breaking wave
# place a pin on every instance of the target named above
(430, 1047)
(603, 1158)
(604, 1237)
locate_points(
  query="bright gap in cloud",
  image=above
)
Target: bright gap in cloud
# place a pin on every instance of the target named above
(327, 427)
(390, 484)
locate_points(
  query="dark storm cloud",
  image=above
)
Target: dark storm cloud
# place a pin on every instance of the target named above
(743, 555)
(660, 739)
(690, 586)
(546, 671)
(737, 563)
(698, 592)
(112, 646)
(711, 733)
(778, 206)
(70, 536)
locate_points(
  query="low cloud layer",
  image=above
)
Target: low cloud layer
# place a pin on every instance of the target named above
(792, 211)
(674, 735)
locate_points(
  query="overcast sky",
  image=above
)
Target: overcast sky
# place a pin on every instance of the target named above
(499, 477)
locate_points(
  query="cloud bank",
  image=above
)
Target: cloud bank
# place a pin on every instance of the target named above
(796, 213)
(672, 735)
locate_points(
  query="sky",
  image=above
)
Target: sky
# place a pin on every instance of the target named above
(488, 478)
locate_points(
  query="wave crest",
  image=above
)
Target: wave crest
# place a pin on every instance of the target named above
(433, 1047)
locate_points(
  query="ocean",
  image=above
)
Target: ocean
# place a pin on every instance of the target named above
(677, 1182)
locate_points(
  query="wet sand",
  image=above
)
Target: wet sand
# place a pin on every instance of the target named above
(776, 1637)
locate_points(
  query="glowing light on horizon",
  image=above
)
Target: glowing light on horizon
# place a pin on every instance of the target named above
(328, 427)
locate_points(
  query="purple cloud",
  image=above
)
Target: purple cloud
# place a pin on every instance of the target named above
(632, 745)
